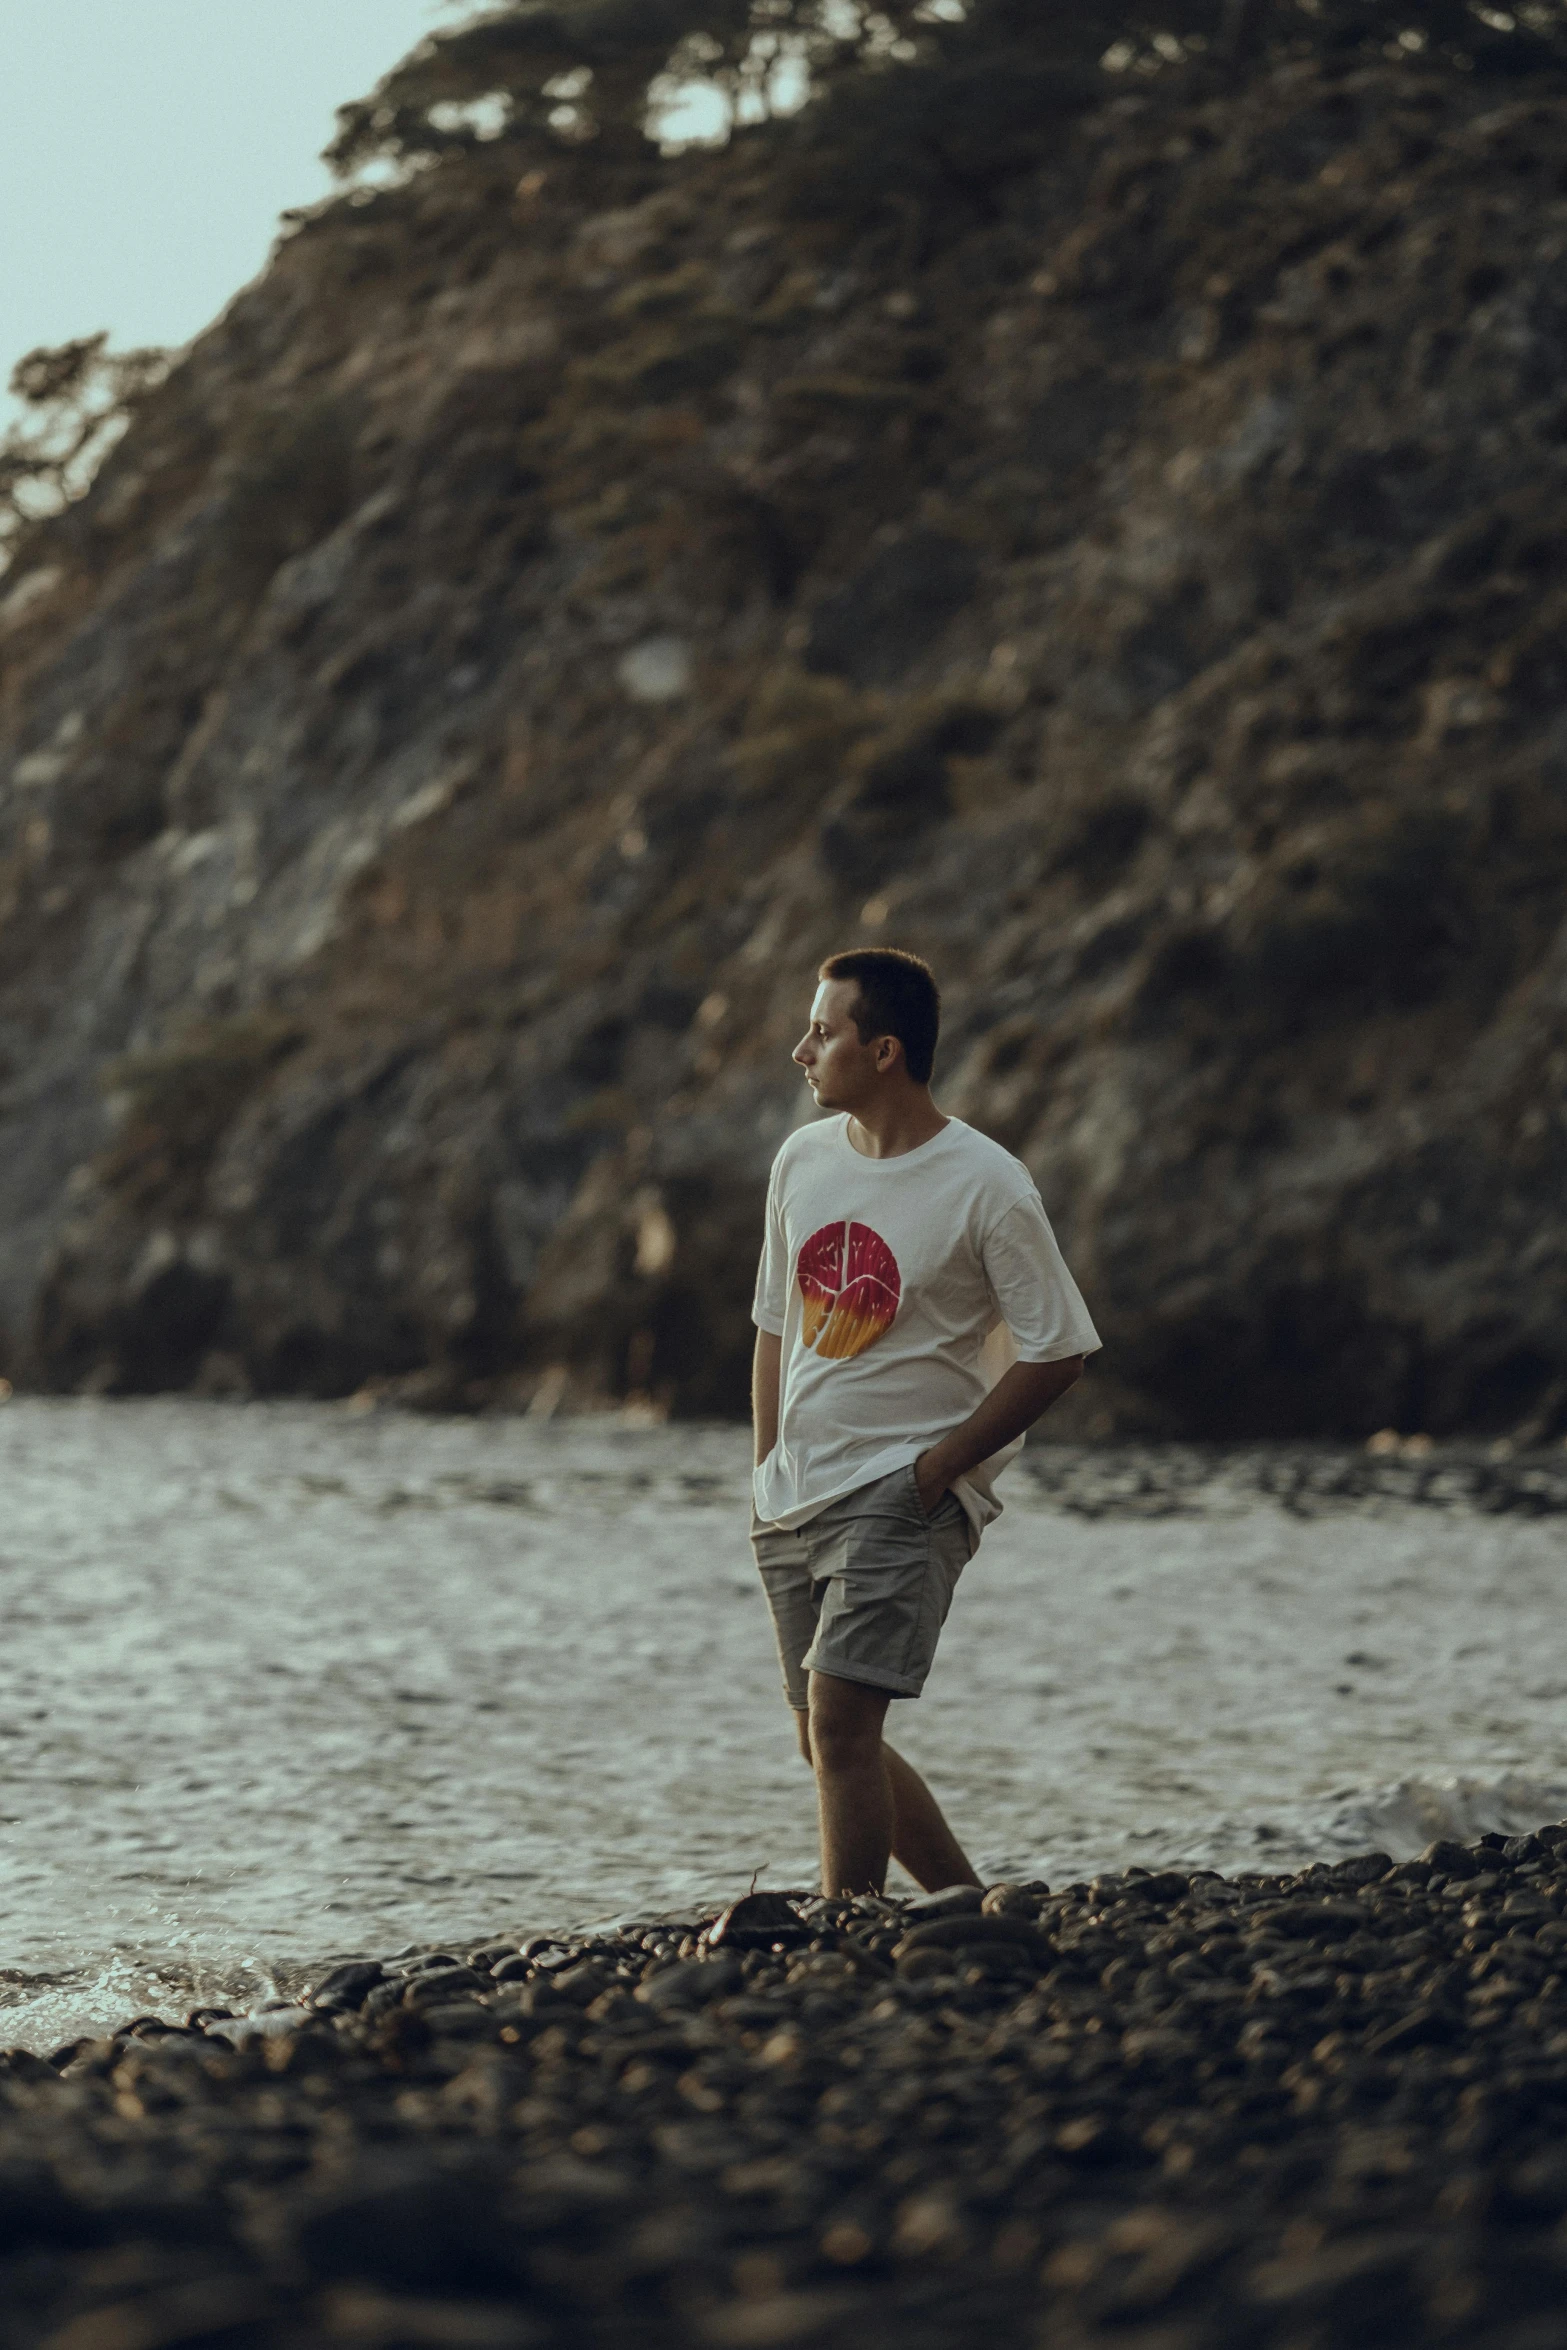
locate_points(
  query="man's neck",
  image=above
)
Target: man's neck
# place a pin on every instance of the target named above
(891, 1129)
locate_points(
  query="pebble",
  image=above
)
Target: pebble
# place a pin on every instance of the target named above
(954, 1901)
(758, 1920)
(272, 2024)
(1158, 2111)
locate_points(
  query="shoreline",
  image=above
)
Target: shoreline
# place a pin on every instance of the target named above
(1162, 2108)
(1130, 1478)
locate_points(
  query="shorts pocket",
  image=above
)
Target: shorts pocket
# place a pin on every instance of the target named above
(942, 1513)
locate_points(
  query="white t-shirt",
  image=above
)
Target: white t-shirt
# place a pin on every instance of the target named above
(902, 1289)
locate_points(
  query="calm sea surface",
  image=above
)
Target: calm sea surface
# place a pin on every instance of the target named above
(281, 1682)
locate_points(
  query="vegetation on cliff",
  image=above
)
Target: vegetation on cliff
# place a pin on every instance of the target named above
(1083, 497)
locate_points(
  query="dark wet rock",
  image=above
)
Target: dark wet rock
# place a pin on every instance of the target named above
(1009, 1900)
(460, 2020)
(443, 1983)
(1310, 1920)
(270, 2024)
(953, 1901)
(1365, 2292)
(582, 1982)
(967, 1959)
(1423, 2027)
(37, 2211)
(1367, 1868)
(544, 1998)
(1160, 1886)
(756, 1922)
(691, 1982)
(1450, 1859)
(395, 2222)
(347, 1986)
(959, 1930)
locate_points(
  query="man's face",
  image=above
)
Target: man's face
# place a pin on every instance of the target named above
(839, 1070)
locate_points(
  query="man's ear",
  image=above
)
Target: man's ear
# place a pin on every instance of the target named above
(887, 1050)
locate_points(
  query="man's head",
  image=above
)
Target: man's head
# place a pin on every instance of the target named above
(873, 1026)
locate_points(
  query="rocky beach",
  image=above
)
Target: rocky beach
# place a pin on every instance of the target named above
(352, 1786)
(1166, 2109)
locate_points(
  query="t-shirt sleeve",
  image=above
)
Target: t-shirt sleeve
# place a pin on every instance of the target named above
(772, 1274)
(1037, 1298)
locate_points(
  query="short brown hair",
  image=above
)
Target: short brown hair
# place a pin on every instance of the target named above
(897, 997)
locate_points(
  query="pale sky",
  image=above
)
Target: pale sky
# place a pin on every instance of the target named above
(148, 146)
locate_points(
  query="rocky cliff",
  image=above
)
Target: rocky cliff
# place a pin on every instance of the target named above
(553, 607)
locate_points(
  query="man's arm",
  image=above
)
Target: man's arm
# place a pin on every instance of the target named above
(1016, 1401)
(765, 1366)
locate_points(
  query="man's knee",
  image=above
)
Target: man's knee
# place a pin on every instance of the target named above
(844, 1726)
(802, 1730)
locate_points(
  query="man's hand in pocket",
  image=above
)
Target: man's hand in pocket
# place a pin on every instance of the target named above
(931, 1481)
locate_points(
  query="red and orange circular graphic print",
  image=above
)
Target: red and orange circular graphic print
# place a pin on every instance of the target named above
(851, 1285)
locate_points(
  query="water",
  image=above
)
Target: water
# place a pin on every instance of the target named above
(281, 1682)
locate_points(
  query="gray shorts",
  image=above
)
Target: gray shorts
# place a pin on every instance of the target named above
(862, 1590)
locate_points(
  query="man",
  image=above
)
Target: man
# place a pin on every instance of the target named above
(900, 1246)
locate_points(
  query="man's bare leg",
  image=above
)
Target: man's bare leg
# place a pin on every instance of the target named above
(870, 1801)
(853, 1790)
(922, 1842)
